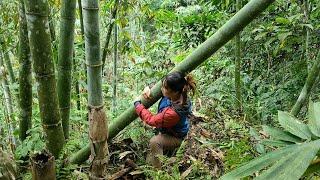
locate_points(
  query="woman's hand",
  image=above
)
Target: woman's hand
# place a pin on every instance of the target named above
(147, 93)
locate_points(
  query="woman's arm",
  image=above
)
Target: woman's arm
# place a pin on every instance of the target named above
(167, 118)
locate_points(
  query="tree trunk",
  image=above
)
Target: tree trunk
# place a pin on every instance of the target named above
(198, 56)
(41, 53)
(25, 79)
(238, 66)
(111, 24)
(43, 166)
(66, 41)
(76, 85)
(97, 117)
(9, 106)
(8, 64)
(305, 92)
(306, 29)
(115, 60)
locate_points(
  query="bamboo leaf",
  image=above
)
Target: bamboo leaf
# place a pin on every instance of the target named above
(259, 163)
(279, 134)
(314, 118)
(293, 165)
(293, 125)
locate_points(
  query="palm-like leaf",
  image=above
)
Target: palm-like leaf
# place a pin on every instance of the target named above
(293, 125)
(291, 161)
(314, 118)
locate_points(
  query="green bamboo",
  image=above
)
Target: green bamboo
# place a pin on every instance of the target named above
(97, 117)
(238, 65)
(198, 56)
(114, 77)
(65, 60)
(41, 53)
(8, 105)
(306, 29)
(306, 90)
(108, 37)
(25, 86)
(8, 64)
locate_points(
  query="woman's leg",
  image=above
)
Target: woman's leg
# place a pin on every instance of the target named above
(159, 143)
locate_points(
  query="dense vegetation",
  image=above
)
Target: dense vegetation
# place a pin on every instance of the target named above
(141, 41)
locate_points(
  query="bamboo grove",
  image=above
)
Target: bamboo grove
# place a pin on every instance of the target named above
(51, 65)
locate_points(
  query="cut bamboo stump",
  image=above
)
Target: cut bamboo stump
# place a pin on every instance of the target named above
(43, 166)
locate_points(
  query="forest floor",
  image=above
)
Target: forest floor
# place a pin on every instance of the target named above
(210, 149)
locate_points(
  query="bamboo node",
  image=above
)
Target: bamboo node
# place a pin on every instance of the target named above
(90, 8)
(47, 126)
(68, 17)
(63, 108)
(44, 75)
(36, 14)
(94, 65)
(97, 108)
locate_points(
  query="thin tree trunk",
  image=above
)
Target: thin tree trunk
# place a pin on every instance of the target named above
(306, 90)
(108, 37)
(97, 117)
(25, 80)
(115, 60)
(8, 65)
(41, 53)
(9, 106)
(65, 60)
(238, 66)
(306, 19)
(76, 85)
(198, 56)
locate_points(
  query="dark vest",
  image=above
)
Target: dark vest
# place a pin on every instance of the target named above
(182, 127)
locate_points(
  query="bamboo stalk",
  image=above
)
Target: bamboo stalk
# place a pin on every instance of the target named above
(306, 90)
(97, 118)
(65, 60)
(25, 86)
(41, 52)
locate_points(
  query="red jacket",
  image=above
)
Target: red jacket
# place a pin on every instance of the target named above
(165, 119)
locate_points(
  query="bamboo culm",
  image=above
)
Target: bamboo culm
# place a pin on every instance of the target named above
(65, 60)
(25, 79)
(41, 53)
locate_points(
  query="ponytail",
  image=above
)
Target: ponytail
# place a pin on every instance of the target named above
(190, 84)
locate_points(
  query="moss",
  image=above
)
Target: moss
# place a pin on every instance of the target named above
(239, 153)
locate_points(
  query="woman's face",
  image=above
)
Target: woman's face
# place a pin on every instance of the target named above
(166, 91)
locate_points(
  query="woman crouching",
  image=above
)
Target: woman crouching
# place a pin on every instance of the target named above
(172, 117)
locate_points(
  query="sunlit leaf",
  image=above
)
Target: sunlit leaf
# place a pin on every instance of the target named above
(282, 20)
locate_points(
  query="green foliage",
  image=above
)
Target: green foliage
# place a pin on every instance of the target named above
(289, 162)
(33, 143)
(239, 153)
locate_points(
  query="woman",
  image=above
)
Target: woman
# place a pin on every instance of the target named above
(172, 117)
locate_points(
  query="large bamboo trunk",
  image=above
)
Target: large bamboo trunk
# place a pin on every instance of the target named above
(249, 12)
(40, 48)
(98, 131)
(65, 60)
(25, 87)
